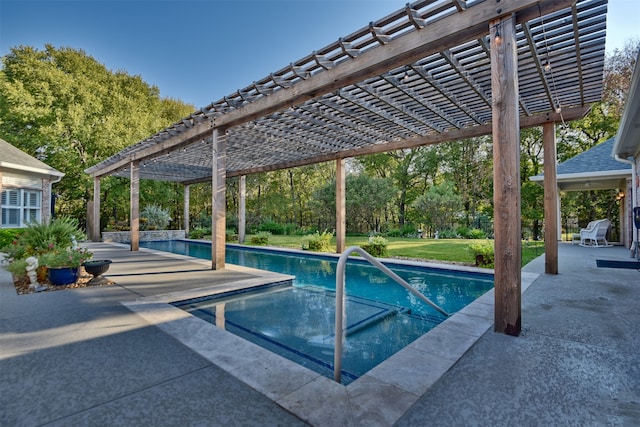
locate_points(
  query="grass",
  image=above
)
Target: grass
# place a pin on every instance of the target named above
(447, 250)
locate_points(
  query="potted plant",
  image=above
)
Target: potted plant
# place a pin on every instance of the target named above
(53, 243)
(96, 268)
(63, 264)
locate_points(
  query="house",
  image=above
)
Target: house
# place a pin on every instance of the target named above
(627, 150)
(596, 169)
(25, 183)
(612, 164)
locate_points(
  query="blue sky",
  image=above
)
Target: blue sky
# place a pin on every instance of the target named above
(198, 51)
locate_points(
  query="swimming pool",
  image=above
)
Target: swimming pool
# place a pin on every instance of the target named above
(296, 321)
(450, 289)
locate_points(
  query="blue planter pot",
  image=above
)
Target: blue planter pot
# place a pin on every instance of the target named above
(63, 275)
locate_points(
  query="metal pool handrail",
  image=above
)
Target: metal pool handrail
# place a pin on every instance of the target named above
(340, 306)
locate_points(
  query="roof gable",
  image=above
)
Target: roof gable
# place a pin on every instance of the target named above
(16, 159)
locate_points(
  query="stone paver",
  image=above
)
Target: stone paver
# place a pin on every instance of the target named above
(116, 356)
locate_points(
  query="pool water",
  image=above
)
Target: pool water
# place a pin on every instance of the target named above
(298, 324)
(297, 321)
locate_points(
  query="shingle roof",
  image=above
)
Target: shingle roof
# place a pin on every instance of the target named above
(14, 158)
(596, 159)
(590, 170)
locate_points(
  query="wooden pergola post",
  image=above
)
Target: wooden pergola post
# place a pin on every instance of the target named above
(185, 210)
(95, 230)
(242, 209)
(506, 175)
(134, 205)
(218, 194)
(341, 222)
(550, 199)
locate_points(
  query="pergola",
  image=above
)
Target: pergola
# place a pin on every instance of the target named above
(435, 71)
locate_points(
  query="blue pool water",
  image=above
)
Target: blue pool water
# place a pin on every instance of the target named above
(297, 321)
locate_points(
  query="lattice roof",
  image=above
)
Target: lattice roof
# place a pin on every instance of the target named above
(418, 76)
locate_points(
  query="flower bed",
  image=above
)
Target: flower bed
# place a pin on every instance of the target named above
(84, 280)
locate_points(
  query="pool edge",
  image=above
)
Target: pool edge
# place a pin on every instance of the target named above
(381, 396)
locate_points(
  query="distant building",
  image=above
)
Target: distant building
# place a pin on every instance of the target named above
(596, 169)
(25, 183)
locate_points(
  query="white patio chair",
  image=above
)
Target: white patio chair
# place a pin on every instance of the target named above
(577, 237)
(595, 234)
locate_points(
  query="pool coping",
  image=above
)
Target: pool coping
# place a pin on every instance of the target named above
(380, 397)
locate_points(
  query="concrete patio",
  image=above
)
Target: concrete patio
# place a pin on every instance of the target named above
(82, 357)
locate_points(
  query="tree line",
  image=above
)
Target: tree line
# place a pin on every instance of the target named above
(65, 108)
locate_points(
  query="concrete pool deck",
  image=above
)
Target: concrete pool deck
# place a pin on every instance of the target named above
(119, 355)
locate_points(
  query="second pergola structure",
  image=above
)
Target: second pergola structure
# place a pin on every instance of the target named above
(435, 71)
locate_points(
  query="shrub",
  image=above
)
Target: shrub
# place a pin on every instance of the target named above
(262, 238)
(154, 217)
(39, 238)
(53, 243)
(447, 233)
(18, 268)
(483, 253)
(290, 229)
(476, 233)
(64, 257)
(230, 235)
(377, 247)
(117, 226)
(9, 235)
(409, 230)
(272, 227)
(303, 231)
(317, 242)
(199, 233)
(462, 232)
(394, 232)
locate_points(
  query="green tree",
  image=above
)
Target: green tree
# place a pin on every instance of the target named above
(468, 165)
(68, 110)
(532, 194)
(366, 199)
(411, 171)
(440, 206)
(282, 196)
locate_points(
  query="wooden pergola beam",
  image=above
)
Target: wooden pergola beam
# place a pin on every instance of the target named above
(134, 205)
(506, 177)
(242, 209)
(95, 213)
(218, 195)
(550, 199)
(341, 212)
(185, 207)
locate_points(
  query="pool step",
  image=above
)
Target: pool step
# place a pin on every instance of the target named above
(374, 319)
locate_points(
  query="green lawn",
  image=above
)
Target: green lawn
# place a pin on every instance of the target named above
(450, 250)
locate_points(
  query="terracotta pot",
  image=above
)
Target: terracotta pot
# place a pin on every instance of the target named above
(42, 274)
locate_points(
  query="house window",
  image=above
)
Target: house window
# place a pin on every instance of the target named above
(21, 207)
